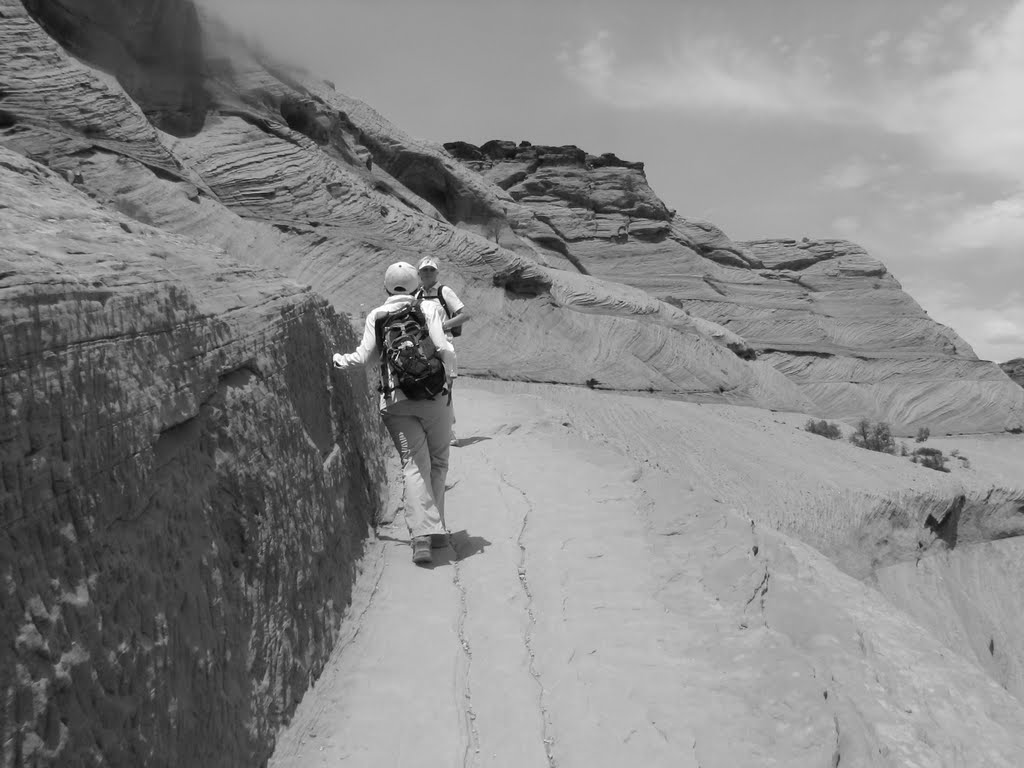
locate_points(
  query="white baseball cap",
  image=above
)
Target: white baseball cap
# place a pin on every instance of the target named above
(427, 262)
(400, 278)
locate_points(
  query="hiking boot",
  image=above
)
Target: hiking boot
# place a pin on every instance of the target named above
(421, 550)
(439, 540)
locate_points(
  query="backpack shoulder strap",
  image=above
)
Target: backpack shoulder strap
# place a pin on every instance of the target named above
(440, 298)
(385, 370)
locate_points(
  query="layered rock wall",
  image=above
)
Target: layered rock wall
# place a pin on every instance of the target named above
(1014, 369)
(184, 488)
(822, 312)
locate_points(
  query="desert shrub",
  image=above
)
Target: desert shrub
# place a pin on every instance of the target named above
(874, 437)
(922, 435)
(904, 450)
(823, 428)
(931, 458)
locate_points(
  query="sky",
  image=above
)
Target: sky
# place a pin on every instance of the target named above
(897, 124)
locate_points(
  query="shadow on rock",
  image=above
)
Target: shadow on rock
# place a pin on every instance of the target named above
(462, 442)
(462, 546)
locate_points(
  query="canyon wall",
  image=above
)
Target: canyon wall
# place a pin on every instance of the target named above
(186, 239)
(823, 312)
(576, 271)
(184, 488)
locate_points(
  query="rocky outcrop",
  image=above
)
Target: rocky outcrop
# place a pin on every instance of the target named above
(154, 49)
(287, 172)
(173, 445)
(320, 209)
(1014, 369)
(184, 488)
(822, 312)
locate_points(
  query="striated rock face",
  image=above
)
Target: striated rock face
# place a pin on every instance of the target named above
(297, 176)
(184, 486)
(287, 172)
(183, 489)
(1014, 369)
(822, 312)
(154, 49)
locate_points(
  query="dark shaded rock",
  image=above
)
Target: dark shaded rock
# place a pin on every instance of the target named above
(153, 48)
(1014, 369)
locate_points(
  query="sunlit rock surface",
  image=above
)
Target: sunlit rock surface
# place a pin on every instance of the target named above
(287, 172)
(823, 312)
(185, 485)
(184, 489)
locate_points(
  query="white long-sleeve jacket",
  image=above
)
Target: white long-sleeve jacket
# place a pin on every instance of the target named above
(367, 349)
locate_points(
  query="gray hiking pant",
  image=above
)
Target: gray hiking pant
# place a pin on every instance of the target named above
(421, 431)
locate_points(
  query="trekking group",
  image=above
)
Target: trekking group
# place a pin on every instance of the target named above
(410, 335)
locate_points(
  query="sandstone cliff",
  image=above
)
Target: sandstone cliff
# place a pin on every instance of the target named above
(1014, 369)
(556, 248)
(183, 489)
(823, 312)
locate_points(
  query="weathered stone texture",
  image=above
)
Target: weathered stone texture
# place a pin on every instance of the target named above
(1014, 369)
(183, 489)
(823, 312)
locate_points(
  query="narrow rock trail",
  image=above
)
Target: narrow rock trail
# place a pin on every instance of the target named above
(598, 611)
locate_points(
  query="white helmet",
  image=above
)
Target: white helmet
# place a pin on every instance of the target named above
(401, 277)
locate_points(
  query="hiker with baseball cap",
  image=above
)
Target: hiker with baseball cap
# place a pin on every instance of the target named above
(443, 295)
(417, 367)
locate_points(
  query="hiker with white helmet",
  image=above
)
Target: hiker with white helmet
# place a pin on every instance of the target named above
(455, 311)
(418, 367)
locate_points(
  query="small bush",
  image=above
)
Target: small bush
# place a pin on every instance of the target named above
(904, 450)
(874, 437)
(931, 458)
(823, 428)
(922, 435)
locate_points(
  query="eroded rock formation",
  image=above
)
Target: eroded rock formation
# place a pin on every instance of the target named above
(184, 490)
(173, 444)
(823, 312)
(1014, 369)
(287, 172)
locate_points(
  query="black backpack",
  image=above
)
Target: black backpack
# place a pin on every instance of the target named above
(457, 330)
(409, 360)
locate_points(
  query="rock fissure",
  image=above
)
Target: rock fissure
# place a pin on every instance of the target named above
(471, 755)
(546, 734)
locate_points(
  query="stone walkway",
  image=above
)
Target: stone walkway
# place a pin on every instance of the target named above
(596, 611)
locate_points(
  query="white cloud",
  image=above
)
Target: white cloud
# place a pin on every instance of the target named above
(995, 332)
(968, 113)
(874, 47)
(713, 74)
(856, 173)
(847, 226)
(999, 224)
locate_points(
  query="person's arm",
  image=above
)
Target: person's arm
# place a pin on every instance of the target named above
(459, 312)
(367, 347)
(444, 348)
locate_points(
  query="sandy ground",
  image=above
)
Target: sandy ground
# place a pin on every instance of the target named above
(607, 603)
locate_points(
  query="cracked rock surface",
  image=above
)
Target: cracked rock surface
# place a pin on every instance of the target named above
(609, 601)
